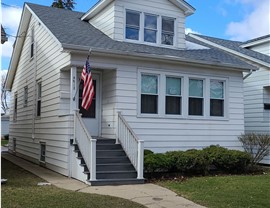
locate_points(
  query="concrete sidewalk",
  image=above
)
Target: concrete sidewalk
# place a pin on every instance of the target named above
(150, 195)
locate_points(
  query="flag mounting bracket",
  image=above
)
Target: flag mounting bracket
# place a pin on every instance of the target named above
(88, 56)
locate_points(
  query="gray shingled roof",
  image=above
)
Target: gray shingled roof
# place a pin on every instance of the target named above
(236, 46)
(256, 39)
(69, 29)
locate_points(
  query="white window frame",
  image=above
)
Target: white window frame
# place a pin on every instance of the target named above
(224, 90)
(25, 96)
(158, 94)
(162, 74)
(42, 144)
(38, 98)
(15, 107)
(159, 28)
(32, 44)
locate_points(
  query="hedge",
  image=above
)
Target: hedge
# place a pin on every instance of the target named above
(197, 161)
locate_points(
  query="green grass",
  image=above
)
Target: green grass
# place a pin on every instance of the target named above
(21, 191)
(4, 142)
(245, 191)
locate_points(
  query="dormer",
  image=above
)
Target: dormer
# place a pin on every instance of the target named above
(156, 22)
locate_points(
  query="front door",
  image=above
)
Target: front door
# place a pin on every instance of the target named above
(91, 117)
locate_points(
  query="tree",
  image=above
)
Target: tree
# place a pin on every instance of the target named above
(64, 4)
(4, 94)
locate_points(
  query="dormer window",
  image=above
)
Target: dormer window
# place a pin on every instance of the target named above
(132, 25)
(149, 28)
(167, 35)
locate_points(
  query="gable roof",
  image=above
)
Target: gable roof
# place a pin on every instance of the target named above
(256, 41)
(101, 4)
(73, 34)
(234, 47)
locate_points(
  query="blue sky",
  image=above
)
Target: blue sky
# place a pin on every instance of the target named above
(228, 19)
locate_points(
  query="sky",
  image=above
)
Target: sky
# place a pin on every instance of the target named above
(239, 20)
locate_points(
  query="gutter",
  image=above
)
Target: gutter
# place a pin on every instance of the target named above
(109, 52)
(251, 71)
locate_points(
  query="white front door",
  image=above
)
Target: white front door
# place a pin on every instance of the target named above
(91, 117)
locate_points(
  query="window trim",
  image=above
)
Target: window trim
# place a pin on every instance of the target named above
(181, 95)
(224, 90)
(32, 43)
(25, 96)
(162, 74)
(204, 113)
(15, 107)
(38, 97)
(40, 152)
(159, 28)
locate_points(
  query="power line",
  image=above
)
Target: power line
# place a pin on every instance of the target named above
(13, 6)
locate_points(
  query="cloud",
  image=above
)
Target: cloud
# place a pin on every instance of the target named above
(256, 22)
(189, 30)
(10, 21)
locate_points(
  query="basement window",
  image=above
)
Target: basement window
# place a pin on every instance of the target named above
(14, 145)
(42, 151)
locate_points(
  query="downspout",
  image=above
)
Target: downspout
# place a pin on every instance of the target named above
(250, 72)
(35, 91)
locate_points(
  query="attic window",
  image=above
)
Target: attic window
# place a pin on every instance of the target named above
(132, 25)
(167, 36)
(32, 43)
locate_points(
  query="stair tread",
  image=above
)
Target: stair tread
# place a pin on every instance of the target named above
(114, 163)
(117, 171)
(119, 179)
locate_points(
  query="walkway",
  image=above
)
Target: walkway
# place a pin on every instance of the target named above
(150, 195)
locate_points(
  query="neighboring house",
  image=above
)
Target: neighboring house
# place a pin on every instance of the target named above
(256, 83)
(4, 125)
(150, 90)
(3, 35)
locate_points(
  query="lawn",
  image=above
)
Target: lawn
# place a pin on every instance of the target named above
(21, 191)
(4, 142)
(245, 191)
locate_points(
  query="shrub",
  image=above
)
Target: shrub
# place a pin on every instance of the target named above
(147, 152)
(6, 136)
(257, 145)
(193, 161)
(227, 160)
(173, 157)
(156, 163)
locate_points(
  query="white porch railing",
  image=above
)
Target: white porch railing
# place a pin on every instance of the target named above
(86, 144)
(133, 147)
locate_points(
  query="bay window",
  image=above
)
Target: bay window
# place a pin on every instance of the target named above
(173, 96)
(196, 100)
(149, 94)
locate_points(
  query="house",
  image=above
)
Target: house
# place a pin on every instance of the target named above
(3, 35)
(256, 83)
(151, 92)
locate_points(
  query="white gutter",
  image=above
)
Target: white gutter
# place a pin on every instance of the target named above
(251, 71)
(109, 52)
(230, 50)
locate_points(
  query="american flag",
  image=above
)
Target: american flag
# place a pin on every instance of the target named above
(88, 86)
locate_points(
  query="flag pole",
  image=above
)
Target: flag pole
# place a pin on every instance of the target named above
(77, 89)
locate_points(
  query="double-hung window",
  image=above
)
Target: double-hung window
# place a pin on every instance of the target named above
(216, 98)
(149, 94)
(132, 25)
(173, 96)
(196, 100)
(150, 28)
(38, 110)
(167, 31)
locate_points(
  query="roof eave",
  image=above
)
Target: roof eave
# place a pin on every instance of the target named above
(85, 49)
(187, 8)
(258, 42)
(24, 22)
(95, 9)
(229, 50)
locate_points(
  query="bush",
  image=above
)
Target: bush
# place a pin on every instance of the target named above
(227, 160)
(156, 163)
(257, 145)
(148, 152)
(6, 136)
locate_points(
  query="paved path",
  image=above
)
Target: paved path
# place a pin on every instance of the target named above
(150, 195)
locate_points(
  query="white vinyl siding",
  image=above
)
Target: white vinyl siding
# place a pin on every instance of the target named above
(50, 128)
